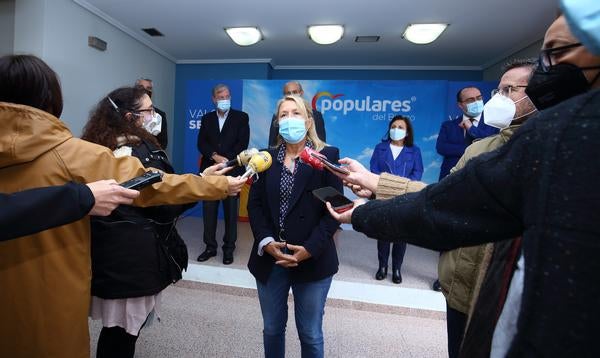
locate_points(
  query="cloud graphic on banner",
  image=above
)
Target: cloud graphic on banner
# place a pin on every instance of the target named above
(433, 165)
(430, 138)
(260, 109)
(366, 153)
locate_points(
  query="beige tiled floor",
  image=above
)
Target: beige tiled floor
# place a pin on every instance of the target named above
(204, 320)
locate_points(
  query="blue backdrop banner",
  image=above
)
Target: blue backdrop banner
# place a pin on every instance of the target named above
(356, 113)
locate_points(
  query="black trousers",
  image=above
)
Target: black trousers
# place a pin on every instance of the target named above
(210, 210)
(383, 253)
(115, 342)
(455, 324)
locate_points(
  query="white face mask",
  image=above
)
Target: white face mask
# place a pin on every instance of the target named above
(397, 133)
(154, 125)
(499, 111)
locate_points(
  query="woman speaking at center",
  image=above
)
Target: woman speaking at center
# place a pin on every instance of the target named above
(293, 245)
(397, 155)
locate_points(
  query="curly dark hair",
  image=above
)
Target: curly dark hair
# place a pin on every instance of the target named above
(107, 123)
(409, 139)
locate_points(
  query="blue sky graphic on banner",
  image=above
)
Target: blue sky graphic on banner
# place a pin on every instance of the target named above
(356, 113)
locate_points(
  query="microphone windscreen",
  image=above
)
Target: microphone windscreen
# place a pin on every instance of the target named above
(245, 156)
(260, 161)
(307, 156)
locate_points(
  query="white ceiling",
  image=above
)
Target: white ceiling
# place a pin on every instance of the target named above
(481, 32)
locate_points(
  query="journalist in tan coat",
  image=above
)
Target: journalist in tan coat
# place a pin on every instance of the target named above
(45, 278)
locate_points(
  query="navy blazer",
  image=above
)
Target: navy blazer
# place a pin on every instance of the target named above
(452, 141)
(228, 142)
(408, 164)
(307, 222)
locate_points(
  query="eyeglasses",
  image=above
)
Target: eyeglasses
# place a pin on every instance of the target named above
(148, 110)
(548, 56)
(292, 93)
(507, 90)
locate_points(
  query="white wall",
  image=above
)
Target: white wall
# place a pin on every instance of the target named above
(87, 74)
(7, 26)
(494, 72)
(29, 27)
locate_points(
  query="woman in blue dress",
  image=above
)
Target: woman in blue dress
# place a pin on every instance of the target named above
(397, 155)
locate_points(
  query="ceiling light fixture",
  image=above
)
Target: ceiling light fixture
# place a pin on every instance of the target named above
(244, 36)
(325, 34)
(423, 33)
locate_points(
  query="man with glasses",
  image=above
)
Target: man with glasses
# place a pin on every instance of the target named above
(294, 88)
(542, 184)
(163, 136)
(460, 270)
(456, 134)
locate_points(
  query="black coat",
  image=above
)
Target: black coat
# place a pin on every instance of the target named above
(319, 127)
(542, 184)
(137, 251)
(35, 210)
(228, 142)
(307, 222)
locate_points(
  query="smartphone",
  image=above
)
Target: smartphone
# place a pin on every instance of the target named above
(338, 201)
(142, 181)
(331, 165)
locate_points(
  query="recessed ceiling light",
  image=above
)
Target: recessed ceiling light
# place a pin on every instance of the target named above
(423, 33)
(366, 38)
(325, 34)
(244, 36)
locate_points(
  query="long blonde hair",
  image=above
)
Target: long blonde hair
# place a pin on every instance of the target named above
(307, 113)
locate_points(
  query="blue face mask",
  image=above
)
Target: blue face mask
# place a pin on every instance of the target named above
(397, 133)
(474, 108)
(292, 129)
(583, 17)
(223, 105)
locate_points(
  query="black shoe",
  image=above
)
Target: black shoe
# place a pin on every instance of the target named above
(207, 254)
(437, 286)
(227, 259)
(396, 276)
(381, 273)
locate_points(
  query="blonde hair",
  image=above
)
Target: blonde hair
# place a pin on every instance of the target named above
(306, 112)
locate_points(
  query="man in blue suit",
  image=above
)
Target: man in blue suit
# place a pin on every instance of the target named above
(457, 134)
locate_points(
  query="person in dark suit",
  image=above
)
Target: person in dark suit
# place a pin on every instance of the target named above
(224, 133)
(293, 232)
(294, 88)
(457, 134)
(161, 134)
(77, 200)
(396, 154)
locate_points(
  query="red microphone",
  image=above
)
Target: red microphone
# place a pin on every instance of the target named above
(310, 157)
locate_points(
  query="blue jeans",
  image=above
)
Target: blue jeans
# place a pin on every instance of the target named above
(309, 307)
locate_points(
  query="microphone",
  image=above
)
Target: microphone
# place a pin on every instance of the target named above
(241, 159)
(258, 163)
(310, 157)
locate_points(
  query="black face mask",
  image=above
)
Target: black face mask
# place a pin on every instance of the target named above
(561, 82)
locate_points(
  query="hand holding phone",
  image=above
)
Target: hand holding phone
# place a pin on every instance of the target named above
(338, 201)
(330, 165)
(142, 181)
